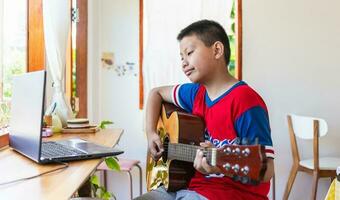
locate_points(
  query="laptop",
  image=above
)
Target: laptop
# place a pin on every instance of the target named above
(25, 137)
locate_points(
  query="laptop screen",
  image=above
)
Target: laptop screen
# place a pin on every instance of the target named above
(27, 107)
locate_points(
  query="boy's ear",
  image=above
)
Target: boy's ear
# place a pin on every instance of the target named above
(218, 50)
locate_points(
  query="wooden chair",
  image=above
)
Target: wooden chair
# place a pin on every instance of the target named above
(318, 167)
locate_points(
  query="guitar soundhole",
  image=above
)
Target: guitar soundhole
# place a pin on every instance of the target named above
(165, 145)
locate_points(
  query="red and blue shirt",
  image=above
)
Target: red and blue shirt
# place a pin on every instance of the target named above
(238, 113)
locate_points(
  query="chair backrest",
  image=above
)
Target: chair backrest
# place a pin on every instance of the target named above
(304, 126)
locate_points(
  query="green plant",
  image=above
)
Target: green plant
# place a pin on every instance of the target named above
(100, 191)
(112, 163)
(104, 123)
(4, 114)
(15, 66)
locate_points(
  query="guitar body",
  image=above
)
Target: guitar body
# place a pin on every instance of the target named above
(174, 126)
(180, 135)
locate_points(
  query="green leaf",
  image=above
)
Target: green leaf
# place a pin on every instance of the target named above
(94, 180)
(101, 192)
(106, 195)
(94, 187)
(112, 163)
(104, 123)
(232, 14)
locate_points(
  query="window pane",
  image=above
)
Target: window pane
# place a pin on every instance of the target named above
(231, 34)
(74, 95)
(13, 47)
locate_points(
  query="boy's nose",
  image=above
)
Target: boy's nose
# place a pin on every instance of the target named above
(184, 63)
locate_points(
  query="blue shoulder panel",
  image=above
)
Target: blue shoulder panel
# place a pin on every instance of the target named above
(252, 124)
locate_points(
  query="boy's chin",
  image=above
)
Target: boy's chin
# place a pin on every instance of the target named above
(194, 80)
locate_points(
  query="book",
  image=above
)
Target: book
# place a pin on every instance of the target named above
(78, 123)
(78, 126)
(91, 129)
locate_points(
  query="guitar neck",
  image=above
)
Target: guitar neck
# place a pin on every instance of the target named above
(186, 152)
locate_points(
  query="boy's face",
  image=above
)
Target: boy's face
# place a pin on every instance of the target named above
(197, 59)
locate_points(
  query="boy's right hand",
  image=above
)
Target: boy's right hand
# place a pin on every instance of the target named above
(155, 146)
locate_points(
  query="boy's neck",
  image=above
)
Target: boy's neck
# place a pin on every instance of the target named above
(219, 84)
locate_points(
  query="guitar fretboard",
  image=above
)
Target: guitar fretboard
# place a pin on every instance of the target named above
(186, 152)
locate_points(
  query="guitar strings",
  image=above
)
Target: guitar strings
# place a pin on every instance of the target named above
(185, 152)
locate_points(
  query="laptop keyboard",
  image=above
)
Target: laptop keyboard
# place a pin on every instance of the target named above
(53, 149)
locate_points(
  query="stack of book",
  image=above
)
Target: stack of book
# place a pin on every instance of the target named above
(79, 125)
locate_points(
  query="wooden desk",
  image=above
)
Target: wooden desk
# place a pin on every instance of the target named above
(57, 185)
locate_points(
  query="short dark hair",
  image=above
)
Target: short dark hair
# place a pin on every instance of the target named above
(208, 32)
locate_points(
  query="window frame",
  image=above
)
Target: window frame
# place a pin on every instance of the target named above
(36, 55)
(239, 39)
(36, 49)
(35, 39)
(81, 58)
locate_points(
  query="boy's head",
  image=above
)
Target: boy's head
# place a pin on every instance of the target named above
(208, 32)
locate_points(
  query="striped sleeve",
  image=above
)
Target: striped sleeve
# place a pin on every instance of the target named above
(270, 152)
(184, 95)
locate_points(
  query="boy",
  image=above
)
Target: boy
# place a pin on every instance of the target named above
(229, 108)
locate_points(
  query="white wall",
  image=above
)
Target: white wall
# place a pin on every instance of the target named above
(114, 27)
(291, 57)
(291, 51)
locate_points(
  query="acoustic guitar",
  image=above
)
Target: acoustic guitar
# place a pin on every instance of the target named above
(181, 133)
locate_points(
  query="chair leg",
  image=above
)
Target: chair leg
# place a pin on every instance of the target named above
(140, 180)
(130, 179)
(273, 185)
(290, 181)
(315, 184)
(105, 178)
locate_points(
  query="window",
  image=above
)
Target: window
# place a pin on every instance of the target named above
(77, 72)
(19, 52)
(13, 49)
(235, 37)
(231, 33)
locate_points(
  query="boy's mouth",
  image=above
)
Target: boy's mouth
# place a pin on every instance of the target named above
(188, 71)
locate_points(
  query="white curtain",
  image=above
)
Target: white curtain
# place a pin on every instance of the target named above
(1, 48)
(163, 21)
(56, 17)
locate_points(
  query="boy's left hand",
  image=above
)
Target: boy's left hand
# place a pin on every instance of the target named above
(201, 164)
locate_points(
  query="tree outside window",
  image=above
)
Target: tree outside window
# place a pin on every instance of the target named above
(231, 34)
(13, 50)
